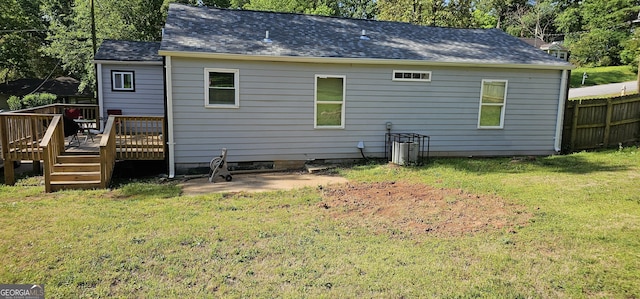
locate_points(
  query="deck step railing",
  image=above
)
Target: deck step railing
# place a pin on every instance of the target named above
(40, 137)
(20, 136)
(52, 145)
(107, 152)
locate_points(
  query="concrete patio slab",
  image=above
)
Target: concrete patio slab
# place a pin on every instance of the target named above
(259, 182)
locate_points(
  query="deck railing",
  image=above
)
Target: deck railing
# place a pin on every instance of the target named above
(107, 152)
(87, 111)
(20, 137)
(52, 145)
(139, 137)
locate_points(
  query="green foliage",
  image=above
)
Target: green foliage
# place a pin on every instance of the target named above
(38, 99)
(14, 102)
(631, 51)
(212, 3)
(23, 34)
(533, 20)
(598, 47)
(70, 38)
(428, 12)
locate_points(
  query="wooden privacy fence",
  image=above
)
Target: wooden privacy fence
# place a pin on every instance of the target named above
(601, 123)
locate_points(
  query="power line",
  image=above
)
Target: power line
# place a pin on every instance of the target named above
(45, 80)
(22, 30)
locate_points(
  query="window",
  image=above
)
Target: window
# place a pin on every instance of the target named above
(562, 55)
(221, 88)
(329, 98)
(122, 81)
(492, 103)
(411, 76)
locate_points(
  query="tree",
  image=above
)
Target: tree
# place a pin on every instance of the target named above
(359, 9)
(70, 38)
(22, 32)
(535, 20)
(317, 7)
(423, 12)
(598, 30)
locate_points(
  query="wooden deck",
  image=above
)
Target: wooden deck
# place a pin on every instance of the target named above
(128, 147)
(85, 161)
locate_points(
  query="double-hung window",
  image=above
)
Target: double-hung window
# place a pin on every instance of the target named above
(221, 88)
(122, 81)
(329, 101)
(492, 104)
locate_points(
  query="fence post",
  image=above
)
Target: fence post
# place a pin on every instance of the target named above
(607, 125)
(574, 126)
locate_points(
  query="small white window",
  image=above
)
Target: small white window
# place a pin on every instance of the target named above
(221, 88)
(329, 101)
(424, 76)
(493, 99)
(122, 81)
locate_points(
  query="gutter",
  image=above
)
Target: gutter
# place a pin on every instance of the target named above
(244, 57)
(169, 93)
(560, 117)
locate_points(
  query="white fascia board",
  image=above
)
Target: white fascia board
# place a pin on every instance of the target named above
(127, 62)
(359, 60)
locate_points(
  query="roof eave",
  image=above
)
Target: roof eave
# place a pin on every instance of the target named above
(245, 57)
(121, 62)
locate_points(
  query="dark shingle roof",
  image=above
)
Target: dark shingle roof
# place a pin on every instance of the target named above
(210, 30)
(120, 50)
(61, 86)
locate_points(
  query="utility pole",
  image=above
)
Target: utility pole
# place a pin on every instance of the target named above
(94, 43)
(93, 29)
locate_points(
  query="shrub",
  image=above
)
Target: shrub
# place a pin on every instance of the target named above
(14, 103)
(38, 99)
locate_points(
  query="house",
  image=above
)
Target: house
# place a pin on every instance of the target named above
(65, 88)
(554, 48)
(287, 88)
(131, 78)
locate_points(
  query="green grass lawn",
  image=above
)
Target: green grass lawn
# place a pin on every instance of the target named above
(147, 240)
(602, 75)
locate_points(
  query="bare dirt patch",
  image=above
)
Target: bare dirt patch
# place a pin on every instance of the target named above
(418, 208)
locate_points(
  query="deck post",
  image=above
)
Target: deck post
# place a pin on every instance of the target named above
(36, 166)
(9, 173)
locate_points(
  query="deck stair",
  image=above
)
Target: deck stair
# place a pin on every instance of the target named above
(76, 171)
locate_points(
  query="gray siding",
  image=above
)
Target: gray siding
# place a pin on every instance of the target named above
(275, 118)
(148, 97)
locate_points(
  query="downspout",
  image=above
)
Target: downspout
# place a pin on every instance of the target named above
(560, 117)
(171, 141)
(100, 96)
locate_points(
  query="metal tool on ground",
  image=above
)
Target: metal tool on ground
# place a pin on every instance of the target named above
(218, 166)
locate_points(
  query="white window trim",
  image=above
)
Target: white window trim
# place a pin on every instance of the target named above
(503, 105)
(393, 76)
(316, 102)
(122, 76)
(236, 86)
